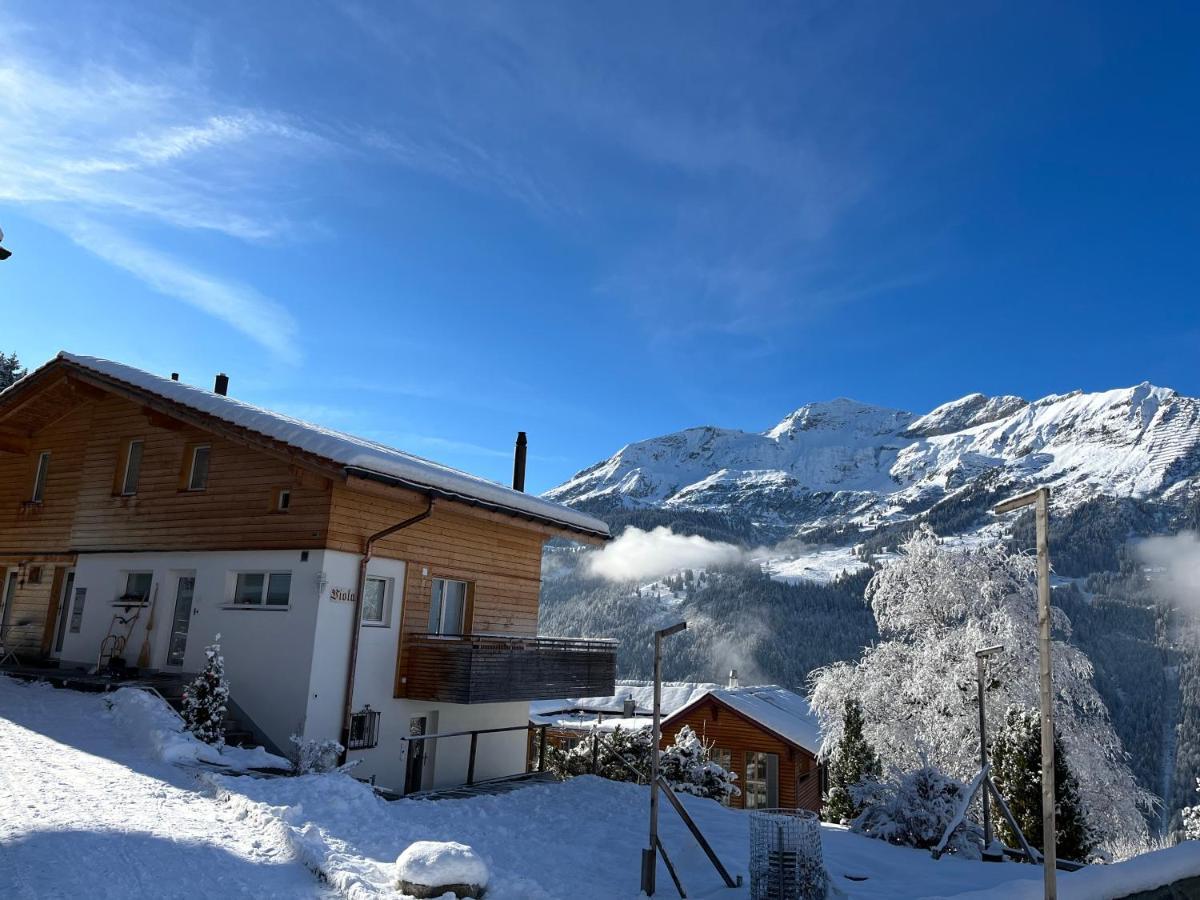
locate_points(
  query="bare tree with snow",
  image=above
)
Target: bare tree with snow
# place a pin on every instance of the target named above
(934, 607)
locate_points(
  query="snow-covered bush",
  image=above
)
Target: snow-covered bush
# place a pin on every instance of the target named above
(315, 757)
(687, 765)
(934, 606)
(624, 755)
(205, 698)
(1191, 820)
(915, 810)
(852, 761)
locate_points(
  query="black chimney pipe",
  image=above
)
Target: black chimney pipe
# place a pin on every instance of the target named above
(174, 376)
(222, 384)
(519, 462)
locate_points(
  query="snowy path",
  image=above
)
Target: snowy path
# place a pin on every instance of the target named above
(87, 810)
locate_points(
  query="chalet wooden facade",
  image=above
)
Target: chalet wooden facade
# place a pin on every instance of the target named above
(162, 513)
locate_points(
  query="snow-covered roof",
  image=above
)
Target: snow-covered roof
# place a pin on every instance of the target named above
(775, 708)
(675, 694)
(344, 449)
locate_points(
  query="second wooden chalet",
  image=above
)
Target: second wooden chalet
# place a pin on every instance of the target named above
(361, 593)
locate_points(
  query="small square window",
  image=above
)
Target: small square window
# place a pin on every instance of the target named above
(375, 602)
(364, 729)
(279, 589)
(137, 587)
(35, 575)
(198, 473)
(448, 606)
(283, 500)
(249, 587)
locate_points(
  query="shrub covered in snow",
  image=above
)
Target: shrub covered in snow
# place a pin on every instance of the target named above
(624, 755)
(915, 810)
(687, 765)
(205, 699)
(315, 757)
(1191, 820)
(434, 868)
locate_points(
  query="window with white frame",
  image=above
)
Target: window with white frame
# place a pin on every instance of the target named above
(262, 589)
(39, 477)
(376, 606)
(133, 468)
(198, 471)
(448, 606)
(137, 587)
(755, 787)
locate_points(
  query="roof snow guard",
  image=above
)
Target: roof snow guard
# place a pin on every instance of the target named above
(357, 456)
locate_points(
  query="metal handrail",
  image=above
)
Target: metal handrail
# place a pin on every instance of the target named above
(517, 640)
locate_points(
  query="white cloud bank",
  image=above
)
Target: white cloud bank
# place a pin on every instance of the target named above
(652, 554)
(1178, 558)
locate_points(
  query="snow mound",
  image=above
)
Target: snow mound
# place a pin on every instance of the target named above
(147, 720)
(442, 866)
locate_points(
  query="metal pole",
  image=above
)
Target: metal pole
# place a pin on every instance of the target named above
(649, 859)
(983, 761)
(1049, 831)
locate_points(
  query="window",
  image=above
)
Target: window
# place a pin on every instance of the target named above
(133, 468)
(448, 607)
(137, 587)
(283, 500)
(198, 473)
(375, 609)
(77, 610)
(724, 759)
(39, 478)
(262, 588)
(35, 575)
(364, 729)
(760, 788)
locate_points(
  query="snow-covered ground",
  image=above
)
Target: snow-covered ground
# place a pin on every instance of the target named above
(89, 808)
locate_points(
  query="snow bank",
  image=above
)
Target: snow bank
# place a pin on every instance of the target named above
(441, 864)
(146, 720)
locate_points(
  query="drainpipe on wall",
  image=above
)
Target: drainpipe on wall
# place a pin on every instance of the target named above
(369, 546)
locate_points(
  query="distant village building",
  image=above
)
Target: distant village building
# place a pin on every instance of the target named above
(765, 734)
(361, 593)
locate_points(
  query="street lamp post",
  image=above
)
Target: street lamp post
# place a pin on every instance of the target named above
(650, 854)
(981, 657)
(1040, 500)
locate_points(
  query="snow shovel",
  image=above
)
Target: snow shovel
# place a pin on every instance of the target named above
(143, 659)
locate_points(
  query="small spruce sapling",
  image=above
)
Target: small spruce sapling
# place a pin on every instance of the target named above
(205, 699)
(1017, 771)
(688, 767)
(852, 761)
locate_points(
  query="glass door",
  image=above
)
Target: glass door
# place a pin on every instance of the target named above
(64, 609)
(185, 591)
(414, 775)
(10, 590)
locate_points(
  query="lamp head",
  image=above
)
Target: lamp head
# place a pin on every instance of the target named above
(985, 652)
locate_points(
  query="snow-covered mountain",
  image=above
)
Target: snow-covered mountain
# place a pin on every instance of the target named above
(847, 461)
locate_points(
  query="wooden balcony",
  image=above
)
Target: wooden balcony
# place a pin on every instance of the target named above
(477, 668)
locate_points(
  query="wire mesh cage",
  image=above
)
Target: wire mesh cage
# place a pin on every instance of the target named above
(785, 855)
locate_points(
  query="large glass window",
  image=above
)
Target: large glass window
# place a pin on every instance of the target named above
(724, 759)
(447, 606)
(375, 602)
(755, 788)
(133, 468)
(262, 588)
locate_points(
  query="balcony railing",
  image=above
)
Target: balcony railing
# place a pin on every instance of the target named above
(475, 668)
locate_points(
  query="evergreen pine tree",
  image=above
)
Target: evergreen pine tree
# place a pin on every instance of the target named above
(852, 761)
(10, 370)
(1017, 770)
(205, 698)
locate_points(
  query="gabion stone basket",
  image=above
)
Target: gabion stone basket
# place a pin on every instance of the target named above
(785, 855)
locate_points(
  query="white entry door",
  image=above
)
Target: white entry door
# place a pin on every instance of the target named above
(185, 592)
(64, 613)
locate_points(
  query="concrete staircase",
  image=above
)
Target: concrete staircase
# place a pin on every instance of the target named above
(237, 732)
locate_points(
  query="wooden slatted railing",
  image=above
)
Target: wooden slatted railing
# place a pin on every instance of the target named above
(483, 668)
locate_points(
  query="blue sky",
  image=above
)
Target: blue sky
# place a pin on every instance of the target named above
(434, 224)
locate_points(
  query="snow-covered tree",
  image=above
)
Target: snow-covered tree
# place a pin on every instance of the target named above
(915, 810)
(10, 369)
(687, 765)
(851, 761)
(205, 699)
(1017, 771)
(934, 607)
(1191, 820)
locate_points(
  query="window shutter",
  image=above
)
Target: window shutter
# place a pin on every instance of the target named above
(773, 780)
